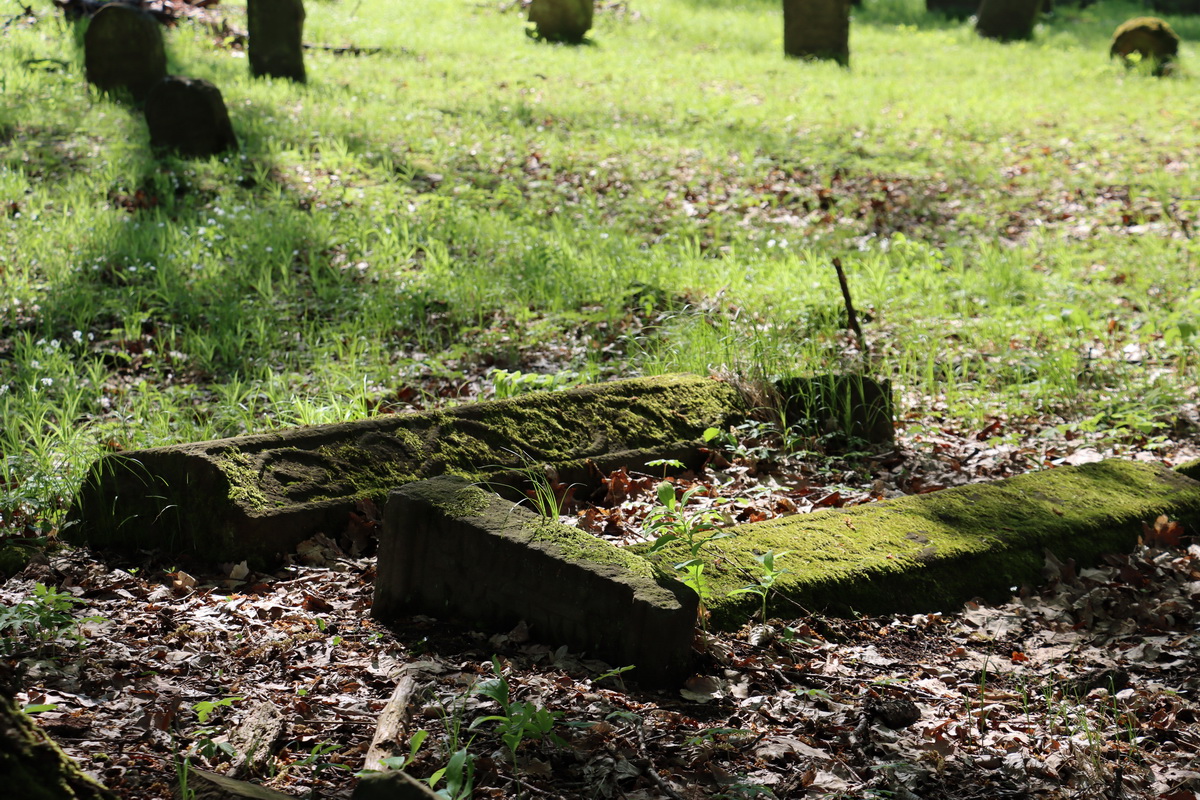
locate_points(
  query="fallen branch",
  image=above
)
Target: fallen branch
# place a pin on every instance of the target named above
(651, 771)
(393, 721)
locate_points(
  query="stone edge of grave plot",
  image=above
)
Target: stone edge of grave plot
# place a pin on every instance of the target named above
(449, 548)
(257, 497)
(933, 552)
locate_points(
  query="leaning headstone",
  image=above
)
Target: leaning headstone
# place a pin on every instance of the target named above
(952, 9)
(123, 50)
(1007, 20)
(817, 29)
(188, 116)
(1176, 6)
(1151, 38)
(561, 20)
(276, 38)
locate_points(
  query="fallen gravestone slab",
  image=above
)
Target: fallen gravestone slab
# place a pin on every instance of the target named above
(188, 116)
(123, 50)
(257, 497)
(448, 547)
(276, 38)
(936, 551)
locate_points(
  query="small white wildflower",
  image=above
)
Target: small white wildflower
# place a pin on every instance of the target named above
(77, 336)
(47, 381)
(270, 249)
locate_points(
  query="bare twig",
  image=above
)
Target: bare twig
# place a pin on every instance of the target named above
(853, 317)
(651, 771)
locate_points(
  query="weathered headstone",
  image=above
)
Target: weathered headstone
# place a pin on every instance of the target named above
(817, 29)
(954, 9)
(276, 45)
(1176, 6)
(1007, 20)
(1151, 38)
(188, 116)
(855, 406)
(561, 20)
(123, 50)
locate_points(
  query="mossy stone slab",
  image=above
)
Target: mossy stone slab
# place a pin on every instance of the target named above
(256, 497)
(936, 551)
(449, 548)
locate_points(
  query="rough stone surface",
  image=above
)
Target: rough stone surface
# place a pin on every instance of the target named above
(936, 551)
(1007, 20)
(212, 786)
(123, 50)
(256, 497)
(448, 548)
(276, 44)
(32, 767)
(188, 116)
(1150, 37)
(561, 20)
(817, 29)
(853, 405)
(392, 786)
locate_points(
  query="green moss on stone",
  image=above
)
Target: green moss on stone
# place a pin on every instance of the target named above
(1191, 469)
(242, 474)
(935, 551)
(576, 545)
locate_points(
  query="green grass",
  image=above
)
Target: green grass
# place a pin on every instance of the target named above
(1015, 220)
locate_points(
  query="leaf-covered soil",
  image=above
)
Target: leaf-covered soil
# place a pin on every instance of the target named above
(1086, 685)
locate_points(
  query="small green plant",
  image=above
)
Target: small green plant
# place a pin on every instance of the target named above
(665, 463)
(205, 708)
(316, 759)
(547, 497)
(766, 578)
(43, 619)
(668, 522)
(459, 774)
(518, 721)
(399, 763)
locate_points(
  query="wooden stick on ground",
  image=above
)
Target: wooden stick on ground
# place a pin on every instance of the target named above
(393, 721)
(853, 317)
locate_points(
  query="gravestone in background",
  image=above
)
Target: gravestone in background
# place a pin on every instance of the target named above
(123, 50)
(817, 29)
(1007, 20)
(561, 20)
(188, 116)
(1151, 38)
(276, 45)
(953, 9)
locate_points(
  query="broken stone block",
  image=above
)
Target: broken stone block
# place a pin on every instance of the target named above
(932, 552)
(855, 406)
(561, 20)
(817, 29)
(188, 116)
(392, 785)
(123, 50)
(276, 42)
(257, 497)
(448, 547)
(1151, 38)
(1007, 20)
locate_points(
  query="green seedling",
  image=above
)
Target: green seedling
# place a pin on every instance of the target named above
(766, 578)
(665, 463)
(205, 708)
(459, 774)
(668, 522)
(40, 621)
(519, 720)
